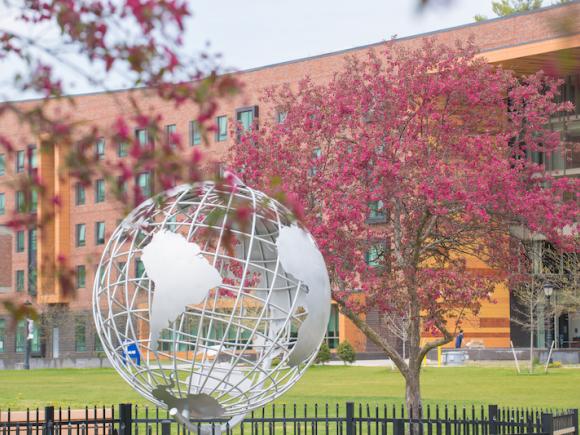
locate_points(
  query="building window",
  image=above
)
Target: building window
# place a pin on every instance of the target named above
(122, 185)
(22, 334)
(332, 338)
(139, 268)
(33, 201)
(100, 148)
(19, 280)
(194, 133)
(20, 159)
(20, 241)
(20, 202)
(32, 157)
(123, 149)
(80, 335)
(98, 344)
(80, 194)
(142, 137)
(121, 267)
(373, 255)
(316, 154)
(170, 131)
(376, 211)
(100, 233)
(281, 116)
(222, 128)
(2, 335)
(2, 203)
(2, 164)
(81, 235)
(81, 276)
(246, 117)
(144, 184)
(100, 190)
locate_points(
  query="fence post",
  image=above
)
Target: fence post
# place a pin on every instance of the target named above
(493, 415)
(350, 423)
(166, 427)
(547, 424)
(125, 419)
(48, 420)
(575, 420)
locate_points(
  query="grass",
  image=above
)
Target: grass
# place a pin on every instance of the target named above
(375, 385)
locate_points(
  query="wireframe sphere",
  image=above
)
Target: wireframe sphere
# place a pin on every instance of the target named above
(209, 300)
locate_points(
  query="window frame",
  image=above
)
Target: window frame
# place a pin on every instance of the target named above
(170, 130)
(194, 133)
(2, 203)
(20, 161)
(2, 164)
(98, 226)
(100, 149)
(19, 280)
(255, 115)
(219, 135)
(80, 194)
(78, 242)
(100, 198)
(80, 337)
(20, 241)
(81, 272)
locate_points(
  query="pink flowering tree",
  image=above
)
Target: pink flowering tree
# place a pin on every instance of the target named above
(411, 168)
(51, 46)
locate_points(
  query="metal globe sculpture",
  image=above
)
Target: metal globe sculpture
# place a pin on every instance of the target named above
(210, 301)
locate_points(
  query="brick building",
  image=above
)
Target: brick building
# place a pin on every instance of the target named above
(546, 39)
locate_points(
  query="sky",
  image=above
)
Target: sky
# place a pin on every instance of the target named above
(255, 33)
(261, 32)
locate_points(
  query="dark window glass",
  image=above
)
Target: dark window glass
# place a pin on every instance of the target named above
(170, 131)
(20, 202)
(281, 116)
(373, 255)
(2, 335)
(246, 117)
(376, 211)
(80, 335)
(81, 234)
(100, 148)
(100, 190)
(98, 344)
(80, 194)
(20, 241)
(222, 128)
(144, 183)
(2, 203)
(20, 159)
(33, 201)
(19, 280)
(194, 133)
(2, 164)
(332, 338)
(81, 276)
(23, 328)
(32, 157)
(123, 149)
(139, 268)
(100, 233)
(142, 137)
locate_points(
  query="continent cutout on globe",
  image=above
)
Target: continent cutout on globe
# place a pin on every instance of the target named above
(301, 258)
(182, 277)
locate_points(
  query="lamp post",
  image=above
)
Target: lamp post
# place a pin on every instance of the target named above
(548, 290)
(29, 336)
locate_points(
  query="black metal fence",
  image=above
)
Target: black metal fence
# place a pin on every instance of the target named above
(348, 419)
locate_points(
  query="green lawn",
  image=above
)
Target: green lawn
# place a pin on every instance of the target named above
(469, 385)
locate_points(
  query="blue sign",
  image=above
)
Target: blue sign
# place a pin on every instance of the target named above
(131, 350)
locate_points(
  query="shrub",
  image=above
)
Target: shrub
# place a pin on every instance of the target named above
(323, 354)
(555, 365)
(346, 352)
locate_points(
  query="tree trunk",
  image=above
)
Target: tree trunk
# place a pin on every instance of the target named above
(531, 338)
(413, 391)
